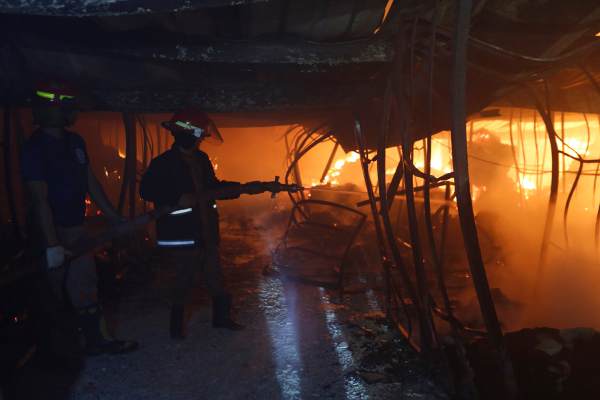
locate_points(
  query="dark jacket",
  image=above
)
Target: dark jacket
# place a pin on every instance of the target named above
(167, 178)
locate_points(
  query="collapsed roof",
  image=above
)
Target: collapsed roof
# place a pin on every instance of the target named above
(282, 61)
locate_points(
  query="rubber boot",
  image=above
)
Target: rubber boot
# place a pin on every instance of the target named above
(176, 323)
(222, 313)
(97, 338)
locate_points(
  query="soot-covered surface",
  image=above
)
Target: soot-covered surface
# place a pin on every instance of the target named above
(301, 342)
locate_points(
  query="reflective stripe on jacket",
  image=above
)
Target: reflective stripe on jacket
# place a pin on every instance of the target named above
(167, 178)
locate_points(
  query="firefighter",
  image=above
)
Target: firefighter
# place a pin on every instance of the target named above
(57, 176)
(183, 177)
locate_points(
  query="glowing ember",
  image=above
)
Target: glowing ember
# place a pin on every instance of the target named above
(88, 207)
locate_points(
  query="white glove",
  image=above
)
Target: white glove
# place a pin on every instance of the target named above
(55, 256)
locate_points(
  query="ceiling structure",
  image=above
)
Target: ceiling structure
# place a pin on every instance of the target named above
(286, 61)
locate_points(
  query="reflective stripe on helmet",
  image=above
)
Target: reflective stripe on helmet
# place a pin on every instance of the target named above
(186, 125)
(52, 96)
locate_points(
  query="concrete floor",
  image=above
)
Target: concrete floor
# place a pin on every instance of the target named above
(301, 342)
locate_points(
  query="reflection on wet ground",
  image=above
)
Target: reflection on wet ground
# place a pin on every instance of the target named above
(301, 342)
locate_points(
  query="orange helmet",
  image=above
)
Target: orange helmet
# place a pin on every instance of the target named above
(194, 122)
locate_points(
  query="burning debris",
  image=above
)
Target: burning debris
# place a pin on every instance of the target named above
(441, 162)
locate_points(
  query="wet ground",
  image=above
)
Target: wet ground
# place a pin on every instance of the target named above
(301, 341)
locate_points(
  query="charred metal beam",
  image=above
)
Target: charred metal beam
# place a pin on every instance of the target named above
(402, 93)
(121, 84)
(262, 52)
(394, 185)
(278, 51)
(384, 207)
(424, 304)
(464, 202)
(97, 8)
(249, 97)
(463, 385)
(435, 254)
(381, 243)
(596, 86)
(568, 203)
(550, 212)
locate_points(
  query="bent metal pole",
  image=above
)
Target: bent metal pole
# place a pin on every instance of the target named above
(463, 192)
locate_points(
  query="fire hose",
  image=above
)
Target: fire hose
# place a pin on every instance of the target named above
(25, 265)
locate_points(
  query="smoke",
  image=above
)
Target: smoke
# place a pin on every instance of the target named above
(565, 291)
(510, 202)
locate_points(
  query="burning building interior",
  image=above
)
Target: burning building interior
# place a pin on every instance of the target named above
(419, 212)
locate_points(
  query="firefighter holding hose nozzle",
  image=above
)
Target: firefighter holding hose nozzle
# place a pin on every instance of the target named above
(183, 177)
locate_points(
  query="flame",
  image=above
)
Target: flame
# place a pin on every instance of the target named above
(331, 178)
(531, 174)
(475, 192)
(121, 154)
(339, 164)
(576, 144)
(527, 184)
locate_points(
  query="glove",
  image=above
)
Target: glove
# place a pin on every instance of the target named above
(55, 256)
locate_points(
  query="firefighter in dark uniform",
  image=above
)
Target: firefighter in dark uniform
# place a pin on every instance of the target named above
(57, 176)
(183, 177)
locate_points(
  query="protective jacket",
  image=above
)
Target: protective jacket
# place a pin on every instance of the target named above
(168, 177)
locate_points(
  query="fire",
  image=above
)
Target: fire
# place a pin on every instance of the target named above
(526, 186)
(576, 144)
(514, 142)
(331, 178)
(527, 183)
(121, 154)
